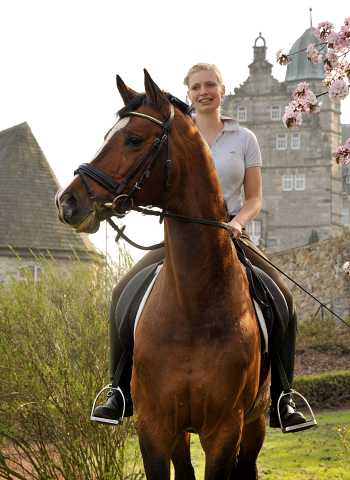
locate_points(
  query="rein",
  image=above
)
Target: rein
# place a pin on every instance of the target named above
(145, 211)
(86, 169)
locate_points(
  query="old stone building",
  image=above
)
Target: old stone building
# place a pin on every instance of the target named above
(29, 225)
(302, 184)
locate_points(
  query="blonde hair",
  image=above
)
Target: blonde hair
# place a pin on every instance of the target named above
(203, 66)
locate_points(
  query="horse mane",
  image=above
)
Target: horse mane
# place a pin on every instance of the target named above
(141, 99)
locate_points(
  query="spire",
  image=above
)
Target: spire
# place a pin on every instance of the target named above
(310, 17)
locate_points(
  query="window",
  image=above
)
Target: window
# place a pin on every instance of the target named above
(287, 183)
(295, 141)
(242, 114)
(300, 181)
(345, 217)
(347, 179)
(254, 231)
(281, 141)
(34, 270)
(275, 113)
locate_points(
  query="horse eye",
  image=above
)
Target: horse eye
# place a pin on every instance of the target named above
(134, 140)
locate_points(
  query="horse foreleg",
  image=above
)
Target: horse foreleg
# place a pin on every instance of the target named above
(181, 458)
(156, 445)
(221, 449)
(253, 436)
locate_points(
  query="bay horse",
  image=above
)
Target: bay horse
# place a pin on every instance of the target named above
(197, 354)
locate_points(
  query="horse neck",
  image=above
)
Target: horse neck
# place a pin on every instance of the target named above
(200, 254)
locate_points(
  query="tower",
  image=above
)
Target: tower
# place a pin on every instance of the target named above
(301, 182)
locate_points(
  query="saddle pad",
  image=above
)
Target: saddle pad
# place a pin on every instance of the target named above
(145, 297)
(258, 311)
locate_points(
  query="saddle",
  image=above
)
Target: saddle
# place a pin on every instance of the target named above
(263, 290)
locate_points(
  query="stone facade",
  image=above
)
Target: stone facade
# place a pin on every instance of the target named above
(318, 269)
(302, 184)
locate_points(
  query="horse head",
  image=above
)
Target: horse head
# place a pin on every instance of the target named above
(133, 150)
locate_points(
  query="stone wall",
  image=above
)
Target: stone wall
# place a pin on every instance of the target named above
(318, 269)
(12, 261)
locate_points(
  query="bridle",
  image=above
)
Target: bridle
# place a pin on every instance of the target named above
(87, 170)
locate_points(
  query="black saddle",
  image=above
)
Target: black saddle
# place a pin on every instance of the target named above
(128, 305)
(262, 288)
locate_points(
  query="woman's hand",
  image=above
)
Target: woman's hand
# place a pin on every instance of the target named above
(236, 228)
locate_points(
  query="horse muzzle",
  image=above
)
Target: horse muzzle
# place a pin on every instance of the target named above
(81, 219)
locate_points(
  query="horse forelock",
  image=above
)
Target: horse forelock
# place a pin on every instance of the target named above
(141, 100)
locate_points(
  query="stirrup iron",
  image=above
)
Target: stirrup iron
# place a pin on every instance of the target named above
(108, 420)
(301, 426)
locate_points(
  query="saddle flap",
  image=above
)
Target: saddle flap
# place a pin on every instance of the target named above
(129, 302)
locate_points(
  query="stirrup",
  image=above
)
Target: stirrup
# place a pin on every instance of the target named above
(301, 426)
(108, 420)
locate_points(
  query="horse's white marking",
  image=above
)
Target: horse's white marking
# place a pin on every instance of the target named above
(118, 126)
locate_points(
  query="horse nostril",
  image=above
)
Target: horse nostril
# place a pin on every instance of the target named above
(68, 202)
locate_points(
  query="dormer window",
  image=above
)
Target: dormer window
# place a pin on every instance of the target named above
(242, 114)
(275, 113)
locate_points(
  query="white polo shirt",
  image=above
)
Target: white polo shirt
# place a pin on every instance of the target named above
(234, 150)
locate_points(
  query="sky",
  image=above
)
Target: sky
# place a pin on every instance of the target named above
(59, 62)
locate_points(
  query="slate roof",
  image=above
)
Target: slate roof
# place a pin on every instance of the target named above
(301, 68)
(28, 215)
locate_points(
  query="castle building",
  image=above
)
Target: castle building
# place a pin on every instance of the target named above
(29, 226)
(302, 184)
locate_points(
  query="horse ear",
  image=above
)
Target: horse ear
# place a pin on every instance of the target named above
(125, 92)
(155, 94)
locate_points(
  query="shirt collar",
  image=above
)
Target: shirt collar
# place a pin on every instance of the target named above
(229, 123)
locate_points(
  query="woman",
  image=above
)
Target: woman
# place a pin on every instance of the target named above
(237, 158)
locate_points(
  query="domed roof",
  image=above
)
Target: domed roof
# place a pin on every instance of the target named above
(301, 68)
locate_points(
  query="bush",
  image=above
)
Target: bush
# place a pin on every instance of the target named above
(327, 390)
(344, 456)
(323, 335)
(53, 360)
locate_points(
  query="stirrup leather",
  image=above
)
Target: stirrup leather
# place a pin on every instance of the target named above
(108, 420)
(301, 426)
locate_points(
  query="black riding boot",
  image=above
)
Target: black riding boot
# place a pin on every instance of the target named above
(289, 416)
(113, 408)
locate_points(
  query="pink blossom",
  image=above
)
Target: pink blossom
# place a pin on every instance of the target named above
(344, 70)
(345, 36)
(332, 59)
(342, 154)
(283, 58)
(327, 82)
(313, 55)
(346, 268)
(323, 30)
(338, 90)
(300, 90)
(292, 117)
(305, 101)
(334, 41)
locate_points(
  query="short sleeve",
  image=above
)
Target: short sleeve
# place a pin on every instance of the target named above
(252, 154)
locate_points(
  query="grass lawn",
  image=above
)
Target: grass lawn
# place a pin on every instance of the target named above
(308, 455)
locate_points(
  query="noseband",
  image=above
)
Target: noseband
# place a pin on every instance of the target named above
(87, 170)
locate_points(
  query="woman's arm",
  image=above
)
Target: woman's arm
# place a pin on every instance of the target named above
(252, 204)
